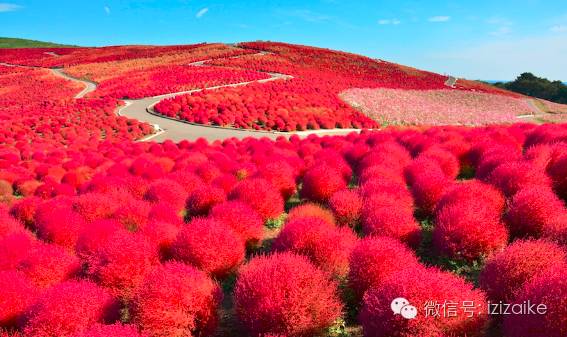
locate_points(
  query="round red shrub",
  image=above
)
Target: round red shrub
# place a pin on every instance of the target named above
(281, 175)
(46, 265)
(507, 272)
(166, 191)
(68, 308)
(311, 210)
(327, 246)
(133, 214)
(347, 207)
(5, 188)
(320, 182)
(374, 259)
(419, 287)
(556, 171)
(285, 294)
(549, 289)
(388, 154)
(9, 225)
(202, 199)
(209, 245)
(474, 192)
(381, 172)
(448, 162)
(25, 209)
(165, 212)
(395, 191)
(428, 189)
(188, 180)
(161, 234)
(468, 232)
(533, 210)
(121, 263)
(382, 217)
(95, 235)
(14, 248)
(16, 295)
(243, 220)
(60, 225)
(176, 300)
(114, 330)
(512, 177)
(260, 195)
(95, 206)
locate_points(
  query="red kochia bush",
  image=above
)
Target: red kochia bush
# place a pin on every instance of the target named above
(14, 248)
(168, 191)
(46, 265)
(474, 191)
(16, 295)
(133, 214)
(60, 225)
(327, 246)
(382, 217)
(311, 210)
(176, 300)
(533, 210)
(209, 245)
(260, 195)
(556, 171)
(68, 308)
(121, 263)
(284, 294)
(468, 232)
(519, 263)
(448, 162)
(347, 206)
(549, 289)
(202, 199)
(281, 175)
(320, 182)
(512, 177)
(374, 259)
(25, 209)
(428, 188)
(114, 330)
(9, 225)
(243, 220)
(95, 235)
(95, 206)
(420, 286)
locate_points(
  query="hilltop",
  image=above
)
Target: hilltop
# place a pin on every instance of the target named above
(9, 42)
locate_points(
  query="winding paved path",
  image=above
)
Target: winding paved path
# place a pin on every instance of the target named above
(89, 86)
(178, 130)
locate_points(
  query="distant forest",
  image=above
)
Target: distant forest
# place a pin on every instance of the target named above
(529, 84)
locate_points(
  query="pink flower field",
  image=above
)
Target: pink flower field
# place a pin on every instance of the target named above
(437, 107)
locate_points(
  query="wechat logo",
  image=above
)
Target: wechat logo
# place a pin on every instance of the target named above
(401, 306)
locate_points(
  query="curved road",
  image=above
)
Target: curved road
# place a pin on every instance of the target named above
(177, 130)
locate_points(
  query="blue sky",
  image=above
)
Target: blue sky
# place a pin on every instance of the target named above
(482, 39)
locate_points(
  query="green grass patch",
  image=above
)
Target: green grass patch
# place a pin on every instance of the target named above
(8, 42)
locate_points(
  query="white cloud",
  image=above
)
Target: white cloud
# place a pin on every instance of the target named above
(7, 7)
(505, 59)
(504, 30)
(107, 10)
(559, 28)
(439, 18)
(389, 22)
(202, 12)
